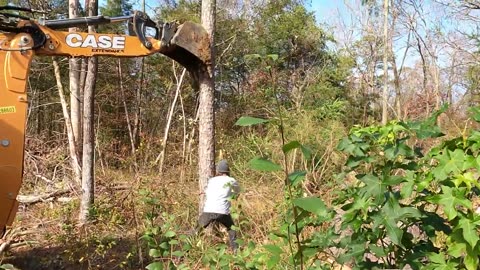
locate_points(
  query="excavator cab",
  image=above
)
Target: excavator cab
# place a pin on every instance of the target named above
(21, 38)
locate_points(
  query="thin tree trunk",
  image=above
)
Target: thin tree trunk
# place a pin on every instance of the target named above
(206, 134)
(161, 157)
(424, 82)
(396, 83)
(385, 64)
(83, 75)
(138, 106)
(184, 147)
(122, 93)
(436, 83)
(74, 158)
(192, 136)
(74, 76)
(88, 129)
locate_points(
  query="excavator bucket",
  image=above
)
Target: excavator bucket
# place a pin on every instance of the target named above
(187, 43)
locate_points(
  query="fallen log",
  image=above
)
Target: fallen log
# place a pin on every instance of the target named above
(31, 199)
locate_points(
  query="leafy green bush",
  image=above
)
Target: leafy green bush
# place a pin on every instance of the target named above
(396, 206)
(402, 204)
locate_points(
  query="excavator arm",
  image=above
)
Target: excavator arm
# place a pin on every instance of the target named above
(22, 38)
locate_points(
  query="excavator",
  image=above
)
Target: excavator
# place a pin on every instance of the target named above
(22, 38)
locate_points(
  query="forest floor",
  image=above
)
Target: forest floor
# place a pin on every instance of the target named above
(50, 237)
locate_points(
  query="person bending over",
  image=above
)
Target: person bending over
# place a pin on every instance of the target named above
(218, 192)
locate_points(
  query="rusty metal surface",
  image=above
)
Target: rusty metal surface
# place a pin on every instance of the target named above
(190, 46)
(195, 39)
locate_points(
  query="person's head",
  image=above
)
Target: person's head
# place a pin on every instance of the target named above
(222, 167)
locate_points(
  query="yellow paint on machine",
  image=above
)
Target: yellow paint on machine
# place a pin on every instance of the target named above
(9, 109)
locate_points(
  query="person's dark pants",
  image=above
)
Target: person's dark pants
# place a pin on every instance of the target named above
(226, 220)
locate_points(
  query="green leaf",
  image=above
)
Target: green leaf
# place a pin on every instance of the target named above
(449, 162)
(374, 187)
(407, 187)
(450, 199)
(245, 121)
(274, 57)
(378, 251)
(353, 161)
(353, 148)
(469, 230)
(7, 267)
(290, 146)
(437, 258)
(178, 253)
(155, 266)
(307, 153)
(265, 165)
(393, 232)
(470, 163)
(355, 251)
(399, 149)
(474, 140)
(466, 178)
(457, 249)
(428, 128)
(475, 111)
(170, 234)
(309, 252)
(312, 204)
(253, 56)
(297, 177)
(471, 260)
(273, 261)
(360, 205)
(273, 249)
(155, 253)
(164, 246)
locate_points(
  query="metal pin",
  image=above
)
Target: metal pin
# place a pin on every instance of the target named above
(5, 143)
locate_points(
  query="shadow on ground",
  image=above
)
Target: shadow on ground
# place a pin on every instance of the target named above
(107, 254)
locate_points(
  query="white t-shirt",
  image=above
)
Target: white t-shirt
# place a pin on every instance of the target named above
(218, 192)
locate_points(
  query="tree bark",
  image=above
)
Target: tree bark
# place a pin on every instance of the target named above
(75, 159)
(385, 64)
(206, 133)
(74, 76)
(88, 182)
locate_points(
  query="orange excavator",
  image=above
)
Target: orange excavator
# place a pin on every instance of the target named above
(22, 38)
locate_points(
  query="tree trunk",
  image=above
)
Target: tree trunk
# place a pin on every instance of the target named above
(396, 83)
(436, 82)
(125, 106)
(161, 157)
(74, 76)
(77, 170)
(206, 133)
(424, 81)
(88, 128)
(385, 64)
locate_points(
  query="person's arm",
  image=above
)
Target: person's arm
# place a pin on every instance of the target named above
(235, 187)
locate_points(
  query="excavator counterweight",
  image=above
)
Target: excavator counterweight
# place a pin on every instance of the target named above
(22, 38)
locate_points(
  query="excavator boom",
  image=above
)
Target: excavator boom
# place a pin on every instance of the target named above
(21, 39)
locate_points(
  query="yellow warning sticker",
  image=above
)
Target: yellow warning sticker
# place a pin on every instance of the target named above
(9, 109)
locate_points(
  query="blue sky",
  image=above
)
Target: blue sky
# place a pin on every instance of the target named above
(325, 10)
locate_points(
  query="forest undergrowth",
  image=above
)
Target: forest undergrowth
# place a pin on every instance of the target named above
(125, 205)
(405, 196)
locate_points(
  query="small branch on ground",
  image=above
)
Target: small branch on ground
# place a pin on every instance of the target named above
(32, 199)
